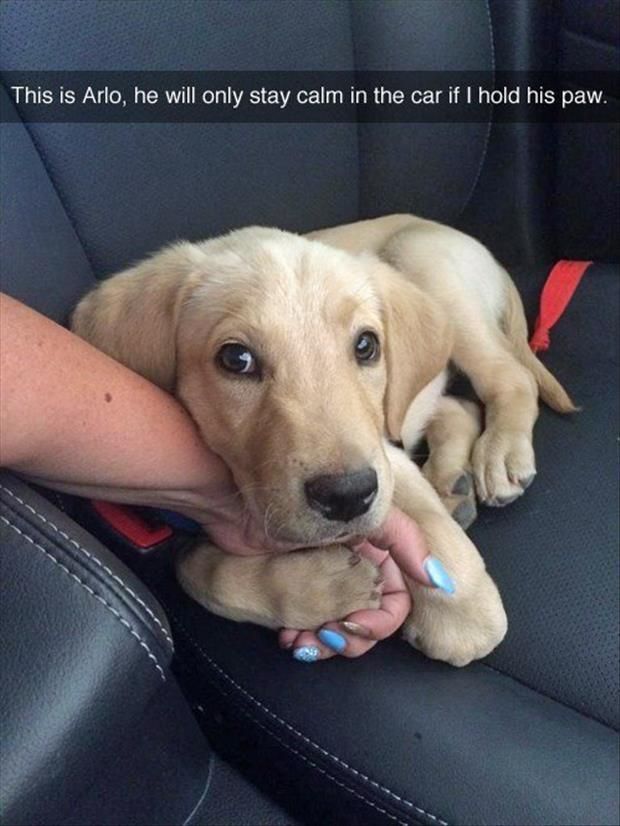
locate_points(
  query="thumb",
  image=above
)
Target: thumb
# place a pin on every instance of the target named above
(402, 537)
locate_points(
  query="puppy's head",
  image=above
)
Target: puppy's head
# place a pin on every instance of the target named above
(295, 360)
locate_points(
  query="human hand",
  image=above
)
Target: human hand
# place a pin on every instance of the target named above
(397, 548)
(231, 527)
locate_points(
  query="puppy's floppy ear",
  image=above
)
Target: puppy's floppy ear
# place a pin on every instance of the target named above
(418, 344)
(133, 316)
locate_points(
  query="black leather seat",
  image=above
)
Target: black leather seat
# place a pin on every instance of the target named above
(92, 718)
(530, 735)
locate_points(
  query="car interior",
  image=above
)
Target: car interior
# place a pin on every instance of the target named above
(122, 701)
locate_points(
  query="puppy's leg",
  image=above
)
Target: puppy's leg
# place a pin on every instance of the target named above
(503, 457)
(301, 589)
(451, 435)
(469, 623)
(490, 345)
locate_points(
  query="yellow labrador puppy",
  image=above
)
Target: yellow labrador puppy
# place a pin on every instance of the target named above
(302, 360)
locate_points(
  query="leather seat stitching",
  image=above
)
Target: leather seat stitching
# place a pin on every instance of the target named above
(298, 734)
(96, 596)
(324, 771)
(97, 561)
(487, 136)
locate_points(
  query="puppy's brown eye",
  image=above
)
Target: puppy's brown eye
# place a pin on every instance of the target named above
(237, 358)
(367, 347)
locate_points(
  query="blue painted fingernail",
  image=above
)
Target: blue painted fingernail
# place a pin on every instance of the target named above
(332, 639)
(307, 654)
(438, 575)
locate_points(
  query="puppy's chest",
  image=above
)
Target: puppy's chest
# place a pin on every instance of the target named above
(421, 410)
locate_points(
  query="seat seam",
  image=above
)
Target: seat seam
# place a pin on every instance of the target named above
(358, 125)
(319, 769)
(585, 36)
(204, 794)
(93, 594)
(549, 696)
(299, 734)
(97, 561)
(487, 136)
(53, 183)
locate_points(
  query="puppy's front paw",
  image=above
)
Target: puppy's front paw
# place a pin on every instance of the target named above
(457, 629)
(504, 466)
(326, 584)
(301, 589)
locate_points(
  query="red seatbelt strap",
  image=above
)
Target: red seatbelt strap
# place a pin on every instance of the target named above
(559, 288)
(128, 522)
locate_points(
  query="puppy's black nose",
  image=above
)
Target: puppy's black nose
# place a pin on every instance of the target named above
(344, 496)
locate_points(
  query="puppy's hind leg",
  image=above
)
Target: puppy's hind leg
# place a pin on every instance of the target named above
(451, 435)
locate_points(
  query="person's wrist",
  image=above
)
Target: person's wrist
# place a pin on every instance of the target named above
(207, 504)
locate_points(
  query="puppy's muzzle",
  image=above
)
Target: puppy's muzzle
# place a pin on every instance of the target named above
(342, 497)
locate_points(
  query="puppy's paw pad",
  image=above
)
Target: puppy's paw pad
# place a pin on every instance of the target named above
(350, 586)
(463, 485)
(456, 490)
(465, 513)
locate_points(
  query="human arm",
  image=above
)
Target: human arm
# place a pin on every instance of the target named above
(76, 420)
